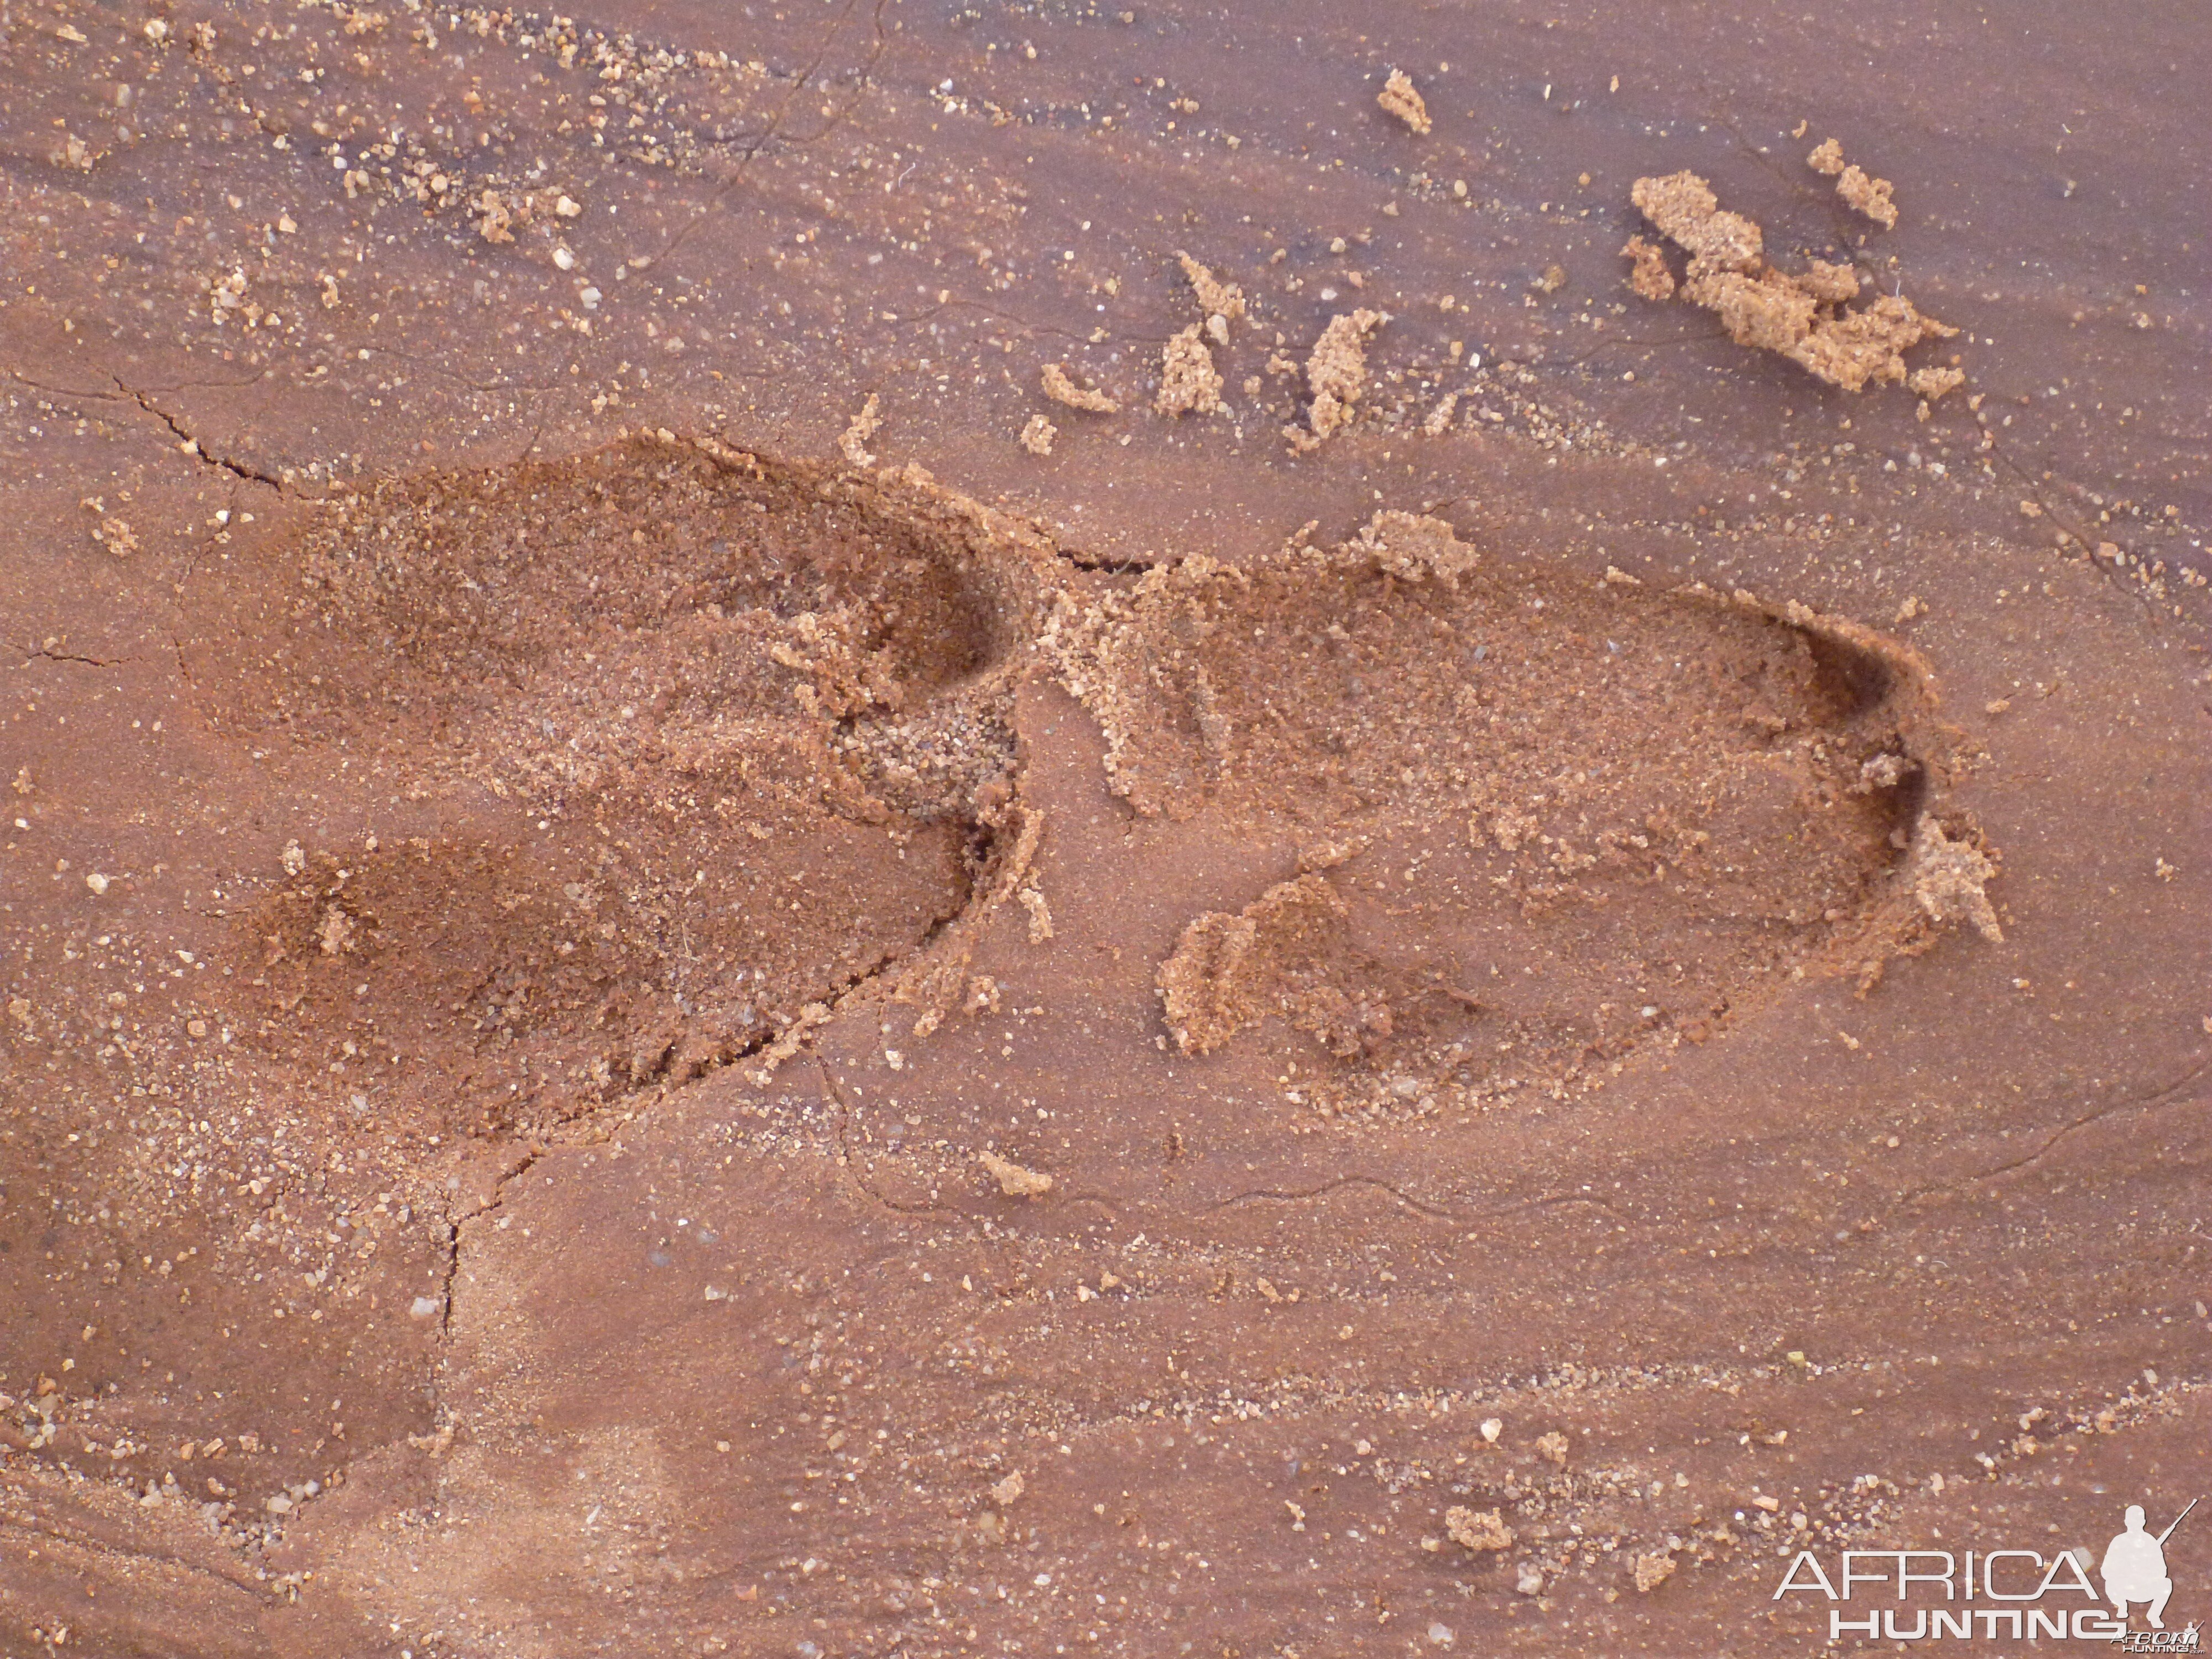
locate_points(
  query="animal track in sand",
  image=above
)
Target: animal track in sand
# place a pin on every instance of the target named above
(650, 751)
(1540, 821)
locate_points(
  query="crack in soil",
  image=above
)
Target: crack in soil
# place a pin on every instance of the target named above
(190, 442)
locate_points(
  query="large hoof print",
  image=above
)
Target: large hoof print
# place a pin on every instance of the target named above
(653, 749)
(1539, 821)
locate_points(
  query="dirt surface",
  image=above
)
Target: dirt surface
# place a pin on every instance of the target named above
(723, 937)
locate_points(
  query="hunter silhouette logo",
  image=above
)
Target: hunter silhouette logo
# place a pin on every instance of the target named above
(2135, 1566)
(2012, 1594)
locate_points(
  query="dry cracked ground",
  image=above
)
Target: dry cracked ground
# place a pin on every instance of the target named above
(840, 829)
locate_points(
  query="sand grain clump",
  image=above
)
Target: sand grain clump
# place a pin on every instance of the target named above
(1221, 302)
(1401, 98)
(1231, 971)
(1802, 316)
(1860, 189)
(1652, 1571)
(1648, 276)
(1336, 374)
(1933, 383)
(1014, 1181)
(1415, 547)
(1948, 878)
(1062, 389)
(853, 444)
(1188, 380)
(1478, 1530)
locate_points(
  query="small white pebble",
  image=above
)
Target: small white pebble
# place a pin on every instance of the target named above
(423, 1306)
(97, 882)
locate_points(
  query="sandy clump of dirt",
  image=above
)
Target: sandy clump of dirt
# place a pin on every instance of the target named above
(1336, 374)
(1230, 971)
(1416, 547)
(1682, 207)
(1934, 383)
(1015, 1182)
(1859, 189)
(1062, 389)
(854, 444)
(1037, 435)
(1649, 275)
(1478, 1530)
(1401, 98)
(1221, 302)
(1948, 878)
(1188, 380)
(1802, 316)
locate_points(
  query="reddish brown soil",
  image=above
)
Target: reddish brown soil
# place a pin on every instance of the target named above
(1633, 948)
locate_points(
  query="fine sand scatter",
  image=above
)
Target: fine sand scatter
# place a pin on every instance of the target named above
(1859, 189)
(1336, 374)
(1804, 316)
(1188, 380)
(1062, 389)
(1401, 98)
